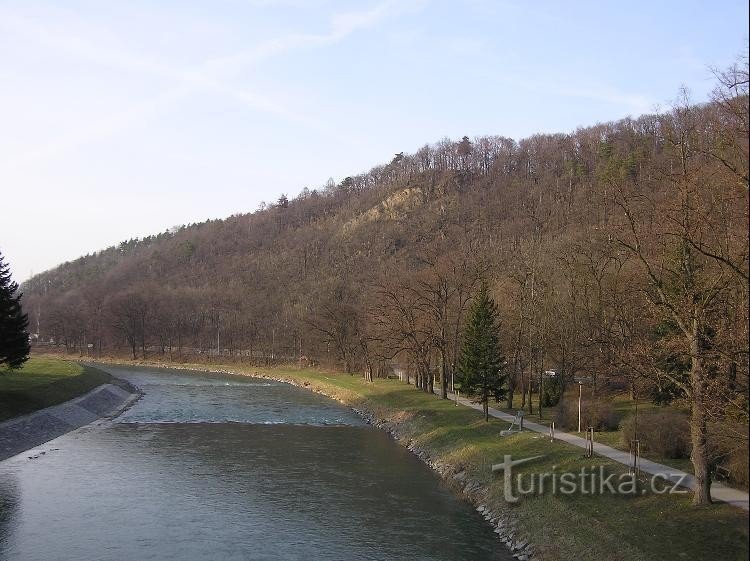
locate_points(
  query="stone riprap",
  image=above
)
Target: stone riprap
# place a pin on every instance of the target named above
(27, 431)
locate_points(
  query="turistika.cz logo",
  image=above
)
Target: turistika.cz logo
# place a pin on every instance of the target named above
(591, 480)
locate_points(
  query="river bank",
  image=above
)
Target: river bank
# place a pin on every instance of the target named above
(43, 382)
(471, 490)
(461, 447)
(79, 396)
(214, 466)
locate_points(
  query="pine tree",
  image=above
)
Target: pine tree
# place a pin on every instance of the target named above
(14, 339)
(481, 363)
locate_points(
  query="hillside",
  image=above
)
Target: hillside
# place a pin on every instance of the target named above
(524, 209)
(617, 254)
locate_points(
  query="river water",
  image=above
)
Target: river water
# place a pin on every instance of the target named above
(216, 467)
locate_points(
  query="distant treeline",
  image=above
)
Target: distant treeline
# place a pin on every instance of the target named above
(617, 253)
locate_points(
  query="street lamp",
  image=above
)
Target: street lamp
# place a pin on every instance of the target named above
(580, 392)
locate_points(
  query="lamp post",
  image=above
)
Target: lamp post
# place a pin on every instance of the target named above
(580, 392)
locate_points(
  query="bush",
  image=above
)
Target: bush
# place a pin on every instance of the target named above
(666, 433)
(729, 450)
(552, 391)
(595, 413)
(737, 464)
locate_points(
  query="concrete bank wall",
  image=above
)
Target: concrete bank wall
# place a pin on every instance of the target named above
(27, 431)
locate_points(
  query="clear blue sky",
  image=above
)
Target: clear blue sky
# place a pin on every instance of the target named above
(121, 119)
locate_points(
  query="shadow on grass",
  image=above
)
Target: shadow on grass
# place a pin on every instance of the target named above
(23, 401)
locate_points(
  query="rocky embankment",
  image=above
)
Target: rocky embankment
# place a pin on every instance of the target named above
(469, 489)
(28, 431)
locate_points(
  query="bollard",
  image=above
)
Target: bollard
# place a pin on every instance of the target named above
(635, 457)
(589, 442)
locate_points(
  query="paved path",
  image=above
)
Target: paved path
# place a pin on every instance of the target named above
(719, 492)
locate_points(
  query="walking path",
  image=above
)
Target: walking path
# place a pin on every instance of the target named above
(719, 492)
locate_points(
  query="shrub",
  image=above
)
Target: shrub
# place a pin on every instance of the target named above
(666, 433)
(552, 391)
(595, 413)
(729, 450)
(737, 464)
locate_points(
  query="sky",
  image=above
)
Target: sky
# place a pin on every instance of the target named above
(123, 119)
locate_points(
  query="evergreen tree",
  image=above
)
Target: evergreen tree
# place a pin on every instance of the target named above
(14, 339)
(481, 363)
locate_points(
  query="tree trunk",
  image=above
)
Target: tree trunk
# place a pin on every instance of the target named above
(485, 400)
(541, 391)
(531, 387)
(698, 425)
(347, 363)
(512, 379)
(511, 388)
(443, 374)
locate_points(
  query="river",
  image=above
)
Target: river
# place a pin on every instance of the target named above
(216, 467)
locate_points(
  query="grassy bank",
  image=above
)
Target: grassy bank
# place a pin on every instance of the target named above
(641, 527)
(621, 407)
(45, 381)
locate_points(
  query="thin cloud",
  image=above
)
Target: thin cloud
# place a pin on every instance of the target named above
(341, 26)
(97, 130)
(210, 75)
(634, 102)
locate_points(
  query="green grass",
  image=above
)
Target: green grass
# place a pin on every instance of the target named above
(619, 528)
(622, 407)
(615, 440)
(44, 381)
(628, 528)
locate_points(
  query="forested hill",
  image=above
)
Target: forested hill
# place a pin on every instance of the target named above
(595, 244)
